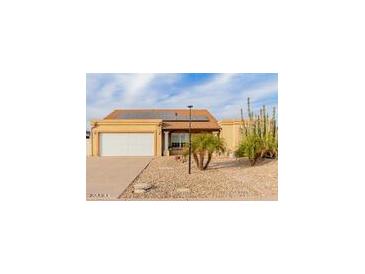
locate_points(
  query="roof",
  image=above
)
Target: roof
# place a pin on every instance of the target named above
(171, 118)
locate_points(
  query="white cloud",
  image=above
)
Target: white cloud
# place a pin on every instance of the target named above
(134, 86)
(261, 91)
(211, 92)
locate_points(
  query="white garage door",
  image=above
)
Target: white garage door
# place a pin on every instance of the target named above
(126, 144)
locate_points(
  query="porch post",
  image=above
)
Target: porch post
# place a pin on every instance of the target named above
(166, 144)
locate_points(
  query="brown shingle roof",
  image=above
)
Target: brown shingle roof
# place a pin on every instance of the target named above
(171, 118)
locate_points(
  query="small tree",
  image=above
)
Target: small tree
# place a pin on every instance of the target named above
(203, 145)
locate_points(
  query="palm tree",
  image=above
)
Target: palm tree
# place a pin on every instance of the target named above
(204, 144)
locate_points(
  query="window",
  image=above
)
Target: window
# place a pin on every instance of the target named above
(179, 140)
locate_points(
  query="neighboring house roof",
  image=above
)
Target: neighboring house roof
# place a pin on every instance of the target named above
(171, 118)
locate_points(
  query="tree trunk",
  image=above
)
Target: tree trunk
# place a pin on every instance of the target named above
(208, 160)
(201, 160)
(253, 160)
(196, 159)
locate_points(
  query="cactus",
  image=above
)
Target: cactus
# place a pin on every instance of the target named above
(259, 137)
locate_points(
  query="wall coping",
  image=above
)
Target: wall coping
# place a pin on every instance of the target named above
(126, 122)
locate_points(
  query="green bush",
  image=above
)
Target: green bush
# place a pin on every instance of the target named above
(270, 149)
(252, 147)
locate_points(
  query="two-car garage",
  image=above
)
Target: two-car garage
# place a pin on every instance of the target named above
(126, 144)
(129, 137)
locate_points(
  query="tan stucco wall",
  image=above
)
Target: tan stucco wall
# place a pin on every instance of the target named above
(88, 147)
(126, 126)
(231, 132)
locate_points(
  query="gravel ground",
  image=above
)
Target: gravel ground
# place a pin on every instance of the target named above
(225, 179)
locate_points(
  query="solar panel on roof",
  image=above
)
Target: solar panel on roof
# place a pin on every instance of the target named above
(163, 115)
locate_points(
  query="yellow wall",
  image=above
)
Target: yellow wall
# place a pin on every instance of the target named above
(231, 133)
(126, 126)
(88, 147)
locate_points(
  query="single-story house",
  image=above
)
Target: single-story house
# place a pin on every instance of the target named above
(148, 132)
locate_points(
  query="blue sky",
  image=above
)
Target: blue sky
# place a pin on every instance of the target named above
(222, 94)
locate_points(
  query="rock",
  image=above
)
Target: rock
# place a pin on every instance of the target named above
(139, 190)
(143, 186)
(183, 190)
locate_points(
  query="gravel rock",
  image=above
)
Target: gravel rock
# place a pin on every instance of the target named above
(183, 190)
(144, 186)
(225, 179)
(139, 190)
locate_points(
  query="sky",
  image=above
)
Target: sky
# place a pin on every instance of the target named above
(222, 94)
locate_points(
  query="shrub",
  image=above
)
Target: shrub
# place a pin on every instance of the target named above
(252, 147)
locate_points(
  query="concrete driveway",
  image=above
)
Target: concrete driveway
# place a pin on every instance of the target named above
(108, 177)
